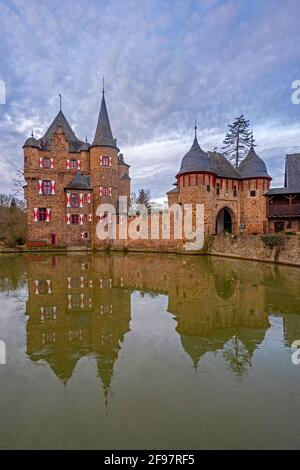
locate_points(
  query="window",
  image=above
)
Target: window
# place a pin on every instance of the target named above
(74, 219)
(43, 287)
(46, 162)
(46, 187)
(105, 191)
(234, 191)
(74, 200)
(252, 193)
(73, 164)
(42, 214)
(218, 189)
(86, 235)
(105, 161)
(208, 188)
(75, 282)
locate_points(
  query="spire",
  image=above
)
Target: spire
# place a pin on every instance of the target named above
(60, 102)
(195, 128)
(103, 134)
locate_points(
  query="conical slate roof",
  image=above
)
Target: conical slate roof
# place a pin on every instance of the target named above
(195, 160)
(31, 142)
(253, 166)
(61, 121)
(103, 135)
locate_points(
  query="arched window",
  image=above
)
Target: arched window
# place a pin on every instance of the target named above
(46, 162)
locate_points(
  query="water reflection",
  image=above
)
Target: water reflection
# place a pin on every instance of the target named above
(80, 306)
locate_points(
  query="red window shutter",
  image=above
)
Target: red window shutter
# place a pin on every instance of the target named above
(68, 219)
(80, 199)
(35, 214)
(51, 162)
(81, 218)
(79, 164)
(110, 161)
(89, 198)
(41, 162)
(82, 235)
(40, 186)
(90, 217)
(68, 164)
(53, 187)
(227, 183)
(68, 199)
(48, 214)
(109, 191)
(100, 160)
(100, 191)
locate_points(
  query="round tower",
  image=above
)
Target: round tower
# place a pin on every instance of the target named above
(104, 168)
(195, 182)
(255, 183)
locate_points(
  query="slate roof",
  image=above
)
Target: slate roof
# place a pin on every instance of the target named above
(195, 160)
(253, 166)
(31, 142)
(80, 181)
(103, 135)
(174, 190)
(292, 176)
(221, 166)
(292, 171)
(125, 177)
(61, 121)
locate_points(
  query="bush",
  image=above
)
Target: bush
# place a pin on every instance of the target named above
(273, 240)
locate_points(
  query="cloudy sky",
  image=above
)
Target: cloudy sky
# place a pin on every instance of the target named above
(164, 63)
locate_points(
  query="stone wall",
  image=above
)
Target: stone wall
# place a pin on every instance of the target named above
(254, 247)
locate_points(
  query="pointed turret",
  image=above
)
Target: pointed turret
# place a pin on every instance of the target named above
(195, 160)
(253, 166)
(103, 136)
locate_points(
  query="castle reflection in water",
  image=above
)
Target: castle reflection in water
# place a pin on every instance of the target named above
(80, 305)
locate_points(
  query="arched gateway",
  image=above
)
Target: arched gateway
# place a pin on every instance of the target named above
(224, 221)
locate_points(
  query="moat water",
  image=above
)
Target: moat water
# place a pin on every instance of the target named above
(148, 351)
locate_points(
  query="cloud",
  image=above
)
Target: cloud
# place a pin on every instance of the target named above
(164, 63)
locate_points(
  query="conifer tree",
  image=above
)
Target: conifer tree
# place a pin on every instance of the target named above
(144, 197)
(238, 140)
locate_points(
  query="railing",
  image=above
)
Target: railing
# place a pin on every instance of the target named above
(283, 210)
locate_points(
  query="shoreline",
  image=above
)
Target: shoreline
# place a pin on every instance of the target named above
(246, 247)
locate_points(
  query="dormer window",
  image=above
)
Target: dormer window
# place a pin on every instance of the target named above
(46, 162)
(253, 193)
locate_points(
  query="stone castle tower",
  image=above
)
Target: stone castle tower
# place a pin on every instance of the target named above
(66, 180)
(234, 199)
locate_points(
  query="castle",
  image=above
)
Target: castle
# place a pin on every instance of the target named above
(67, 179)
